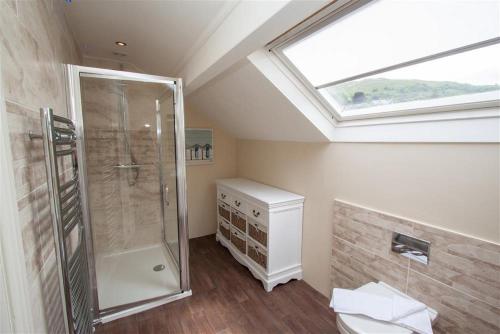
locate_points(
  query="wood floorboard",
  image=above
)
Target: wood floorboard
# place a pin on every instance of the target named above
(227, 299)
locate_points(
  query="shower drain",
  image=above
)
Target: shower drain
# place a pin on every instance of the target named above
(159, 267)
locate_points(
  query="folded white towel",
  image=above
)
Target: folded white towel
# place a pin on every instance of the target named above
(418, 322)
(402, 311)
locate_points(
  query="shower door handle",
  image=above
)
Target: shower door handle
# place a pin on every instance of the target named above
(165, 195)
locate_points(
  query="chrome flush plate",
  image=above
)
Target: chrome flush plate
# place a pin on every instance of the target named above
(410, 247)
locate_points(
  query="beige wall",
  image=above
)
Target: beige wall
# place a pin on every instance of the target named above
(201, 191)
(452, 186)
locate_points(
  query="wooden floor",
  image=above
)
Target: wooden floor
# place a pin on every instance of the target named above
(227, 299)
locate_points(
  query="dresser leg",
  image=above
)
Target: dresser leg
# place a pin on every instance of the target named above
(268, 287)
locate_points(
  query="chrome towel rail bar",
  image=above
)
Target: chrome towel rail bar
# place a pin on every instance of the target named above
(131, 166)
(60, 141)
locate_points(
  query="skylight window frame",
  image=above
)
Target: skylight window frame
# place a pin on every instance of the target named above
(333, 12)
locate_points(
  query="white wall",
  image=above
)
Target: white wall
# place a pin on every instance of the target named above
(452, 186)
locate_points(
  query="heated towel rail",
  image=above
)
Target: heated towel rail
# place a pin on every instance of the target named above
(59, 141)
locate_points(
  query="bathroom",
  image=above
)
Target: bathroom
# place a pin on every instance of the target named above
(380, 177)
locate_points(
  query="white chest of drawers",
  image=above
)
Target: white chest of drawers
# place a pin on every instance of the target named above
(262, 228)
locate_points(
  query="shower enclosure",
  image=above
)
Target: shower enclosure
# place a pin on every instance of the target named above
(130, 150)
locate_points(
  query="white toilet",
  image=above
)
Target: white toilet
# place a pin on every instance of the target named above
(359, 324)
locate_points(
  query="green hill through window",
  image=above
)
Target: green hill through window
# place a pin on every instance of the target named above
(379, 91)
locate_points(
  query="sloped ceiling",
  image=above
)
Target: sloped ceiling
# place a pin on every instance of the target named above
(161, 35)
(248, 106)
(206, 43)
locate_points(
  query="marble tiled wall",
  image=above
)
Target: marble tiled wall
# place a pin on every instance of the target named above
(34, 43)
(462, 280)
(125, 208)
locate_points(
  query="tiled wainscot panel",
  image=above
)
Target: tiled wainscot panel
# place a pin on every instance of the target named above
(461, 281)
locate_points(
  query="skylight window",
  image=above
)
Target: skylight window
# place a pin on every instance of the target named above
(391, 55)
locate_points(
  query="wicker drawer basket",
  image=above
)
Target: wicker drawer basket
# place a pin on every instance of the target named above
(224, 229)
(258, 232)
(239, 241)
(257, 254)
(239, 220)
(224, 211)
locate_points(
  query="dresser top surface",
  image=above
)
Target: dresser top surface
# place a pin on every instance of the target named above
(260, 191)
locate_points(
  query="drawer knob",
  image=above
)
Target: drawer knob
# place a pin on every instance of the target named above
(256, 213)
(237, 203)
(223, 195)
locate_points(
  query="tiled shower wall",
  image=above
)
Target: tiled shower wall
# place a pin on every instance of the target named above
(462, 280)
(125, 206)
(34, 43)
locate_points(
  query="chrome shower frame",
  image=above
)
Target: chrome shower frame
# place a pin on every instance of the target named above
(74, 72)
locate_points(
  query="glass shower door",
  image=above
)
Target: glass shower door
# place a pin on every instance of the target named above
(132, 190)
(168, 172)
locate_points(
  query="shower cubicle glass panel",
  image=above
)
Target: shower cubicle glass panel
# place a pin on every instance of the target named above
(166, 137)
(131, 176)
